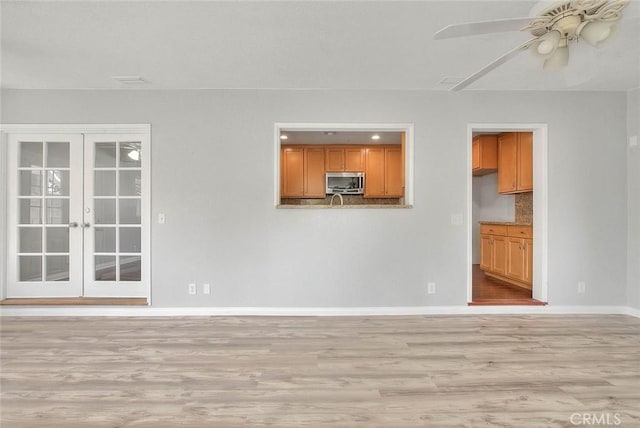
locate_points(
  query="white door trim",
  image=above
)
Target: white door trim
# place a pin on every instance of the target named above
(540, 201)
(407, 128)
(111, 128)
(6, 129)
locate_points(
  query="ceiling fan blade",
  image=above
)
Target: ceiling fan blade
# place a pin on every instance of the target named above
(495, 64)
(482, 27)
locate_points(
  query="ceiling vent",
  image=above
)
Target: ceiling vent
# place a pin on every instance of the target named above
(130, 80)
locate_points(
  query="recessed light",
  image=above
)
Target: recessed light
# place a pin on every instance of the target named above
(329, 133)
(129, 80)
(375, 137)
(283, 137)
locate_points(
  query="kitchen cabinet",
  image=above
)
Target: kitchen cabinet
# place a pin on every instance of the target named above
(506, 253)
(493, 249)
(484, 154)
(302, 172)
(384, 172)
(515, 162)
(344, 159)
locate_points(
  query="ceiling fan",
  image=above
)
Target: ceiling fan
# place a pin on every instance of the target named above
(554, 29)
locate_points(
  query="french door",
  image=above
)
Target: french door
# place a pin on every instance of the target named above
(78, 211)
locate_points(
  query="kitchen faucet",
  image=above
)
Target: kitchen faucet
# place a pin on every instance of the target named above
(339, 196)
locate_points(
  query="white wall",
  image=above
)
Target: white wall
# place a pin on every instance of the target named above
(489, 205)
(633, 194)
(213, 177)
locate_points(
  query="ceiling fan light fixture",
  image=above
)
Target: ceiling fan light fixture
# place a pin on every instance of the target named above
(557, 61)
(597, 32)
(546, 44)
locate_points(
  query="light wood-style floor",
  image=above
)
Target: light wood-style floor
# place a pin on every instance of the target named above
(434, 371)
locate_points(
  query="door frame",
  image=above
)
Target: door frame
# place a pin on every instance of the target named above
(140, 129)
(540, 202)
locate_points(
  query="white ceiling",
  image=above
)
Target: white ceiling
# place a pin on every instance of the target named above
(295, 44)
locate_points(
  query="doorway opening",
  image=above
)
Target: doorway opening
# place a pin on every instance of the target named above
(507, 212)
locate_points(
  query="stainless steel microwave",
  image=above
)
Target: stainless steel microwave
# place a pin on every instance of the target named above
(350, 183)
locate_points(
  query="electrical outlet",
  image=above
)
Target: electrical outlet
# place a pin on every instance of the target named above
(581, 287)
(206, 289)
(192, 289)
(431, 288)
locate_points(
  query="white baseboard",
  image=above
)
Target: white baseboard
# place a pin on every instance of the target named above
(634, 312)
(129, 311)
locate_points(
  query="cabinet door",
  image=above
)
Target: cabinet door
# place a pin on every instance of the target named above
(334, 159)
(314, 184)
(499, 255)
(528, 261)
(292, 172)
(525, 161)
(507, 162)
(374, 172)
(394, 178)
(475, 149)
(485, 252)
(515, 259)
(353, 159)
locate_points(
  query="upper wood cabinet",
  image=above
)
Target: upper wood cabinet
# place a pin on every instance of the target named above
(384, 172)
(344, 158)
(302, 172)
(515, 162)
(485, 154)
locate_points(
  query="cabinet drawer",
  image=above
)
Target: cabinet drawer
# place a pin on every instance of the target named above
(520, 231)
(493, 229)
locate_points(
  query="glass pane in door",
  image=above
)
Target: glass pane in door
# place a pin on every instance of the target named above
(57, 268)
(30, 268)
(105, 268)
(30, 240)
(31, 154)
(31, 183)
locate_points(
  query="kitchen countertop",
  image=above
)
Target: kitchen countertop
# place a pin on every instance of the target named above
(308, 207)
(505, 223)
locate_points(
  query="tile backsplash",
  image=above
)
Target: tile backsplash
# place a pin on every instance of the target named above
(348, 200)
(524, 208)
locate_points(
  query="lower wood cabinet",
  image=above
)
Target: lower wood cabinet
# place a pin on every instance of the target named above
(506, 253)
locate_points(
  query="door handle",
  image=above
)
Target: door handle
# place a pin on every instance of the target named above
(73, 224)
(86, 224)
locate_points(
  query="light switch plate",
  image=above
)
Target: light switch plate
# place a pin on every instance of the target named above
(633, 141)
(206, 289)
